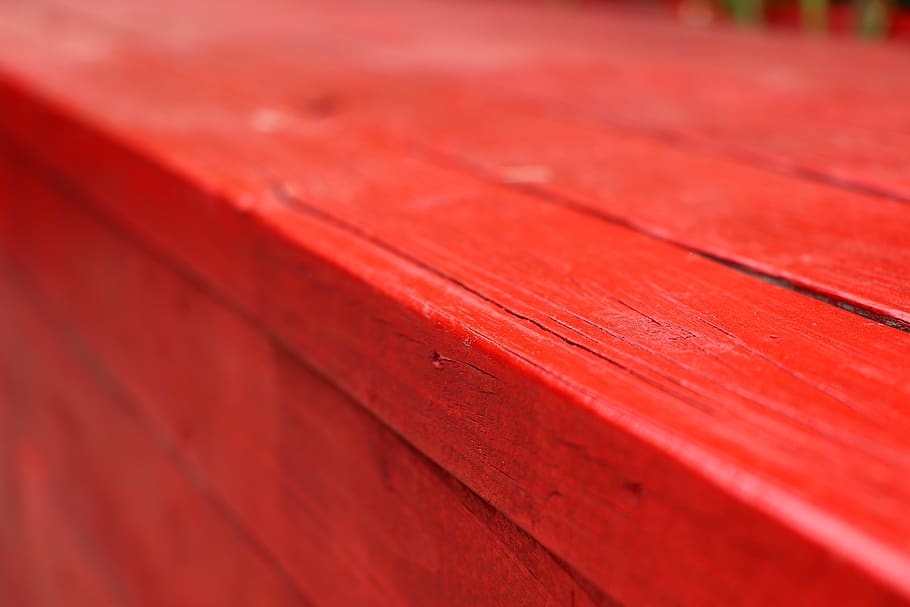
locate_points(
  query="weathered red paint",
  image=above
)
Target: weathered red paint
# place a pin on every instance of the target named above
(650, 418)
(312, 484)
(852, 245)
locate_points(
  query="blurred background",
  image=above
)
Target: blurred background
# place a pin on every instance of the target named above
(874, 19)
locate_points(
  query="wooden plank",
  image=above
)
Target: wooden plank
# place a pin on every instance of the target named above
(84, 467)
(777, 101)
(848, 247)
(98, 510)
(613, 419)
(773, 101)
(733, 406)
(46, 557)
(355, 515)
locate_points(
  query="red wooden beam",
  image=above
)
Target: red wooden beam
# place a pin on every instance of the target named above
(341, 277)
(305, 482)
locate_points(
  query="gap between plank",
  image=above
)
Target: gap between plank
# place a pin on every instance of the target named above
(884, 319)
(561, 112)
(471, 169)
(678, 139)
(707, 148)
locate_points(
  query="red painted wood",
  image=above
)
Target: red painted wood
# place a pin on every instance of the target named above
(299, 464)
(653, 418)
(338, 346)
(351, 512)
(845, 245)
(718, 89)
(104, 517)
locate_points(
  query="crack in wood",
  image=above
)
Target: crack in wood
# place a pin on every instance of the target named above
(478, 172)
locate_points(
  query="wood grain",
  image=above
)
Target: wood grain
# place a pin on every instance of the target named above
(104, 516)
(847, 246)
(653, 418)
(625, 408)
(778, 101)
(351, 512)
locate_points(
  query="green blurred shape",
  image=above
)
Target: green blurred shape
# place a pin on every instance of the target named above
(873, 18)
(814, 15)
(747, 12)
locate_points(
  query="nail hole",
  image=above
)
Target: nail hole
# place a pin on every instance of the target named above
(635, 490)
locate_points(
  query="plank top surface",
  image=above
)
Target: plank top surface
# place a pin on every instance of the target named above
(609, 263)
